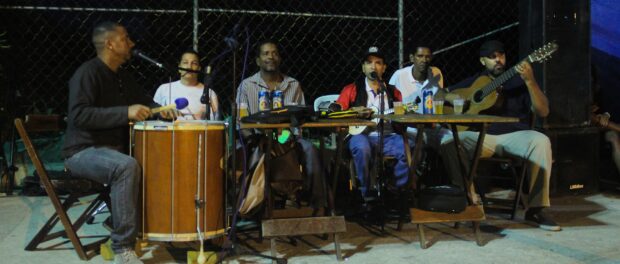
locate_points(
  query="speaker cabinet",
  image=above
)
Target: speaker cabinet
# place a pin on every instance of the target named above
(575, 160)
(566, 77)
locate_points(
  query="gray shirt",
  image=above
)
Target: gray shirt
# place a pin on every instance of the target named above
(248, 91)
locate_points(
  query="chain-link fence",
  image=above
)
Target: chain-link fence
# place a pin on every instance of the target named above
(321, 40)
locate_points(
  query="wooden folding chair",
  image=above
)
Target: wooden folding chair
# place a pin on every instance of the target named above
(510, 164)
(62, 188)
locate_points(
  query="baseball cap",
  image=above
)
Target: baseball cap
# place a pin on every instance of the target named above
(490, 47)
(374, 51)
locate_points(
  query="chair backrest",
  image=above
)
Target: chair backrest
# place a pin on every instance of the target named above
(38, 123)
(324, 101)
(55, 123)
(44, 123)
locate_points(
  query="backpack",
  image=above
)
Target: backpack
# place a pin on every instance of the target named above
(296, 115)
(443, 198)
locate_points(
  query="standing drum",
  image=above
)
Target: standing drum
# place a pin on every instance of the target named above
(181, 168)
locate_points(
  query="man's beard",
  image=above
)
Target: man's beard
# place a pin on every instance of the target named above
(498, 70)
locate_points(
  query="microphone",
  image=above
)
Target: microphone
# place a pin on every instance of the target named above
(138, 53)
(231, 39)
(179, 104)
(208, 81)
(375, 76)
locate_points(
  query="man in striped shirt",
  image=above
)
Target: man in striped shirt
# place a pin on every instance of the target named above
(269, 79)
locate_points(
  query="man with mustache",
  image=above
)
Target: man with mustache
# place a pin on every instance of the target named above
(522, 96)
(365, 92)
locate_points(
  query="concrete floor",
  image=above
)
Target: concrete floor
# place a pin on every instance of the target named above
(591, 234)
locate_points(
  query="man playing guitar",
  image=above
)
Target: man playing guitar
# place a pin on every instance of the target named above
(521, 96)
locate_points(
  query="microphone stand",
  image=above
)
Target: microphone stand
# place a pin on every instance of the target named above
(230, 247)
(379, 157)
(205, 98)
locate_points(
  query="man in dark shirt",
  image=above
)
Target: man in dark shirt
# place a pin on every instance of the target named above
(522, 96)
(103, 98)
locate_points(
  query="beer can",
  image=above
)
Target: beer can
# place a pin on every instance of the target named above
(277, 98)
(427, 101)
(263, 100)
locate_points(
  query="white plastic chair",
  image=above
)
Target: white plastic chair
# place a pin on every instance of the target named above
(323, 102)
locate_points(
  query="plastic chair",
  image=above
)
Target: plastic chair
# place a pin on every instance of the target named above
(322, 102)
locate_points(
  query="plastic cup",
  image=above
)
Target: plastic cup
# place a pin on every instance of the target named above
(438, 107)
(243, 110)
(399, 109)
(458, 106)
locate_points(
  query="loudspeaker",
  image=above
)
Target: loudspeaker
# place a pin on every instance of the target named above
(566, 77)
(575, 160)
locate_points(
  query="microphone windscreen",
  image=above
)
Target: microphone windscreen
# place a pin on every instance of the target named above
(135, 52)
(374, 75)
(181, 103)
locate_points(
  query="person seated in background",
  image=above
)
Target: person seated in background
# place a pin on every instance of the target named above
(603, 120)
(420, 75)
(411, 81)
(268, 79)
(364, 92)
(190, 88)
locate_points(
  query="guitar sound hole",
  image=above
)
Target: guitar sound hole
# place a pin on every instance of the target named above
(478, 96)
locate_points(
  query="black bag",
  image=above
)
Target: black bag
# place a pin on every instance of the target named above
(286, 176)
(443, 198)
(296, 115)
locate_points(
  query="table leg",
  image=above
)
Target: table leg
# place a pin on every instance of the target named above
(469, 173)
(417, 154)
(336, 170)
(269, 133)
(337, 245)
(476, 226)
(421, 236)
(274, 254)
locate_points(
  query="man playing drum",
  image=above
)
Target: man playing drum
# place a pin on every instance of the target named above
(103, 98)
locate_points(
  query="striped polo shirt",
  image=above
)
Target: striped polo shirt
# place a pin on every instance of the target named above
(249, 88)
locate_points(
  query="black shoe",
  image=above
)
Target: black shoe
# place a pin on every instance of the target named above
(107, 224)
(541, 219)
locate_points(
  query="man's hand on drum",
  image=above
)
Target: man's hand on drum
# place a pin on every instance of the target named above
(169, 114)
(138, 112)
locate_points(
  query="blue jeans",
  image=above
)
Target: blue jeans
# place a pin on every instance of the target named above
(122, 173)
(361, 149)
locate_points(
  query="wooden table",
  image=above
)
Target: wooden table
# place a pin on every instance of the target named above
(473, 212)
(296, 222)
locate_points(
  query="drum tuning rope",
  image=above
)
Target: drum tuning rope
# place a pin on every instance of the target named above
(198, 204)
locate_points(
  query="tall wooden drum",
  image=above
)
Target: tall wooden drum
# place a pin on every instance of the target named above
(181, 170)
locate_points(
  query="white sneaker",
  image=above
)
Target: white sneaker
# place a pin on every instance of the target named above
(127, 256)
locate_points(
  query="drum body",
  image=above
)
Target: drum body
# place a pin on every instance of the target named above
(180, 162)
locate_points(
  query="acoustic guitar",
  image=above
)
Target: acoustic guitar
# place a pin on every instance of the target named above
(483, 93)
(356, 130)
